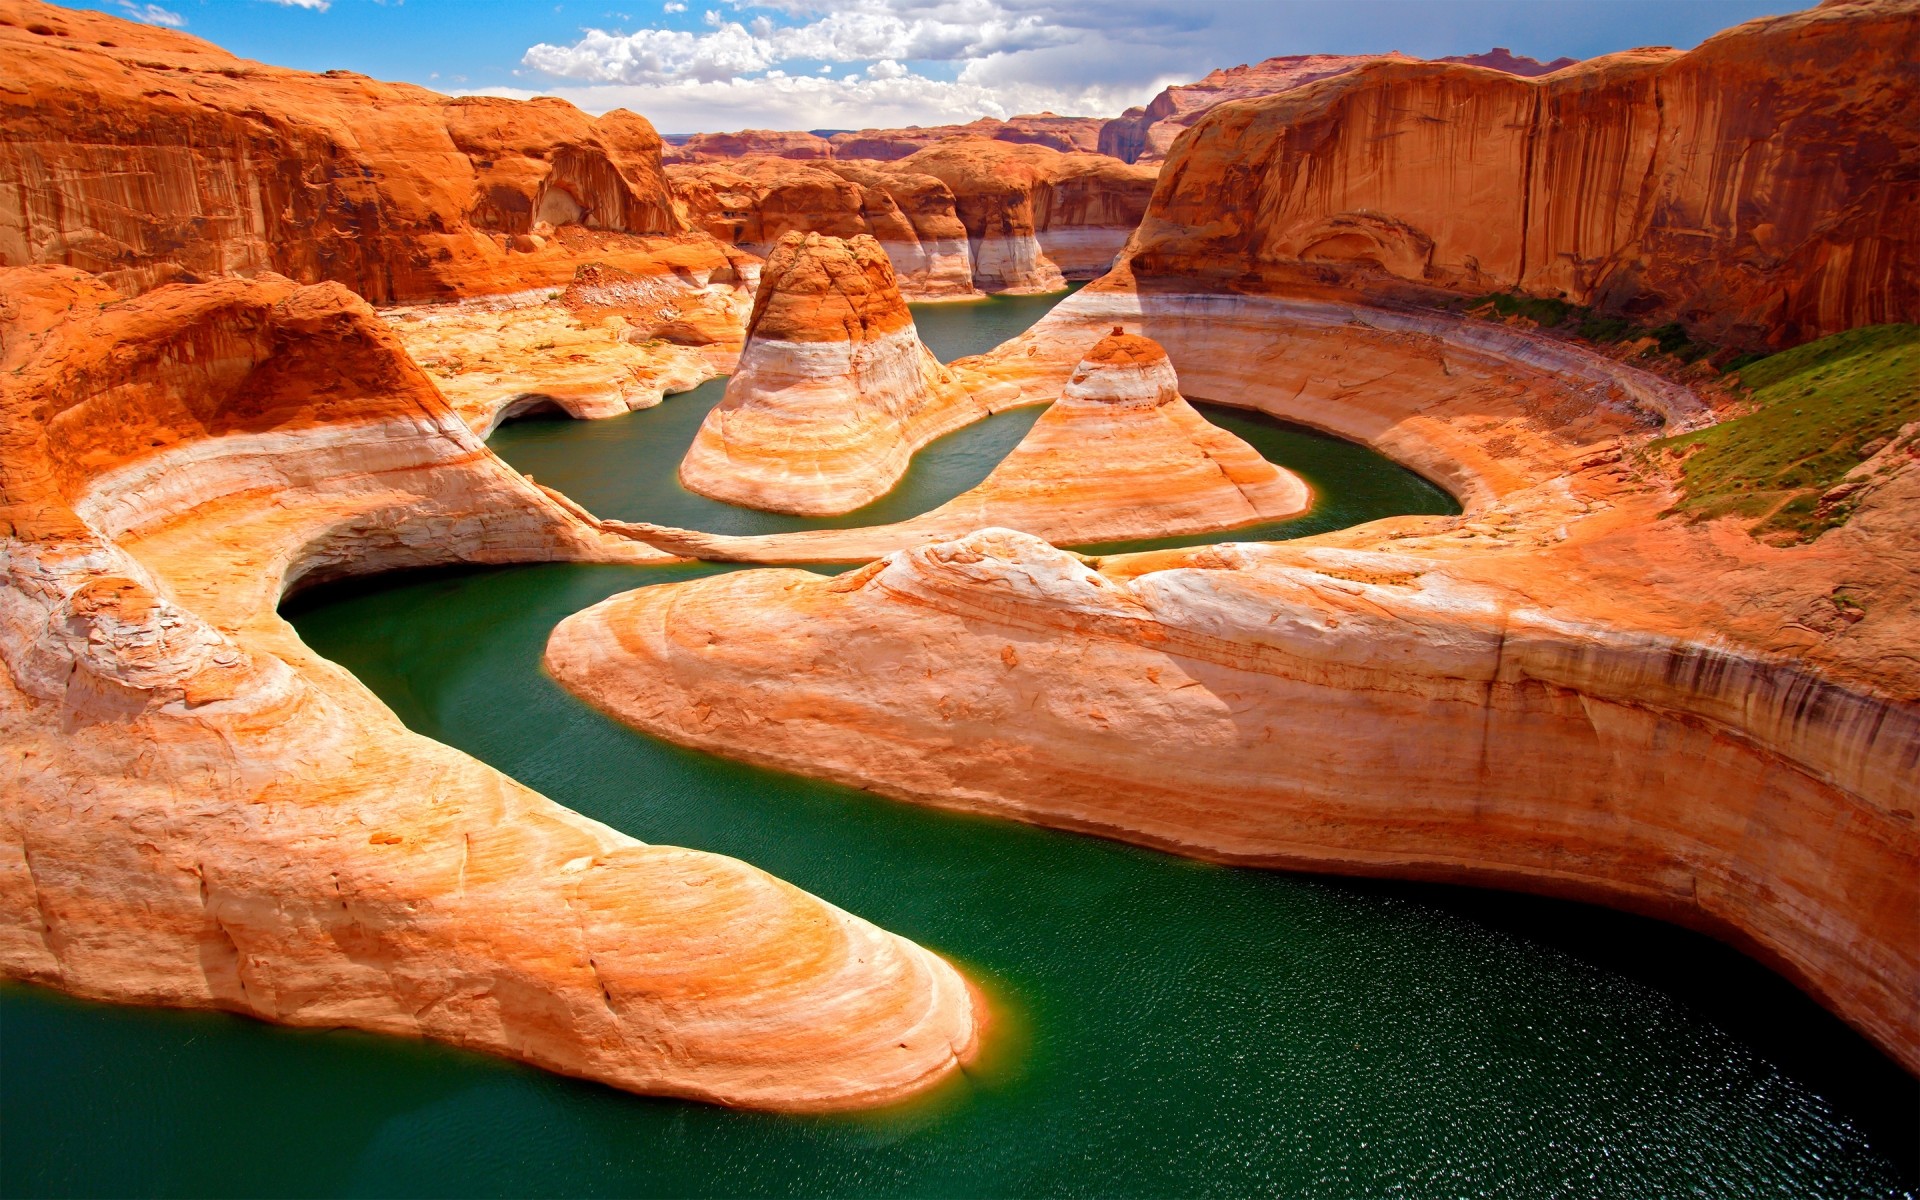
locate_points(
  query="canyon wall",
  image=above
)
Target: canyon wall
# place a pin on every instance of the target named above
(1565, 689)
(1759, 189)
(197, 811)
(146, 155)
(1065, 134)
(1147, 133)
(957, 218)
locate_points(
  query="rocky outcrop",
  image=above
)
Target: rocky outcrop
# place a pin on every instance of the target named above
(1035, 217)
(197, 811)
(1065, 134)
(748, 143)
(147, 156)
(1147, 134)
(752, 203)
(1757, 189)
(1119, 455)
(961, 217)
(834, 392)
(1563, 690)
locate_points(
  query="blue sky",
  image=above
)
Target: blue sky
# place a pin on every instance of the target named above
(798, 64)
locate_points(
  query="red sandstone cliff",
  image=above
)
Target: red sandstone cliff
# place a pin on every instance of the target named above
(1065, 134)
(1761, 188)
(960, 215)
(147, 156)
(748, 143)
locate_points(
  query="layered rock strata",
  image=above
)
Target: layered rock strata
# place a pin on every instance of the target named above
(197, 811)
(834, 392)
(1120, 455)
(1147, 133)
(1561, 690)
(148, 156)
(1035, 217)
(1757, 189)
(962, 217)
(609, 343)
(752, 203)
(748, 143)
(1065, 134)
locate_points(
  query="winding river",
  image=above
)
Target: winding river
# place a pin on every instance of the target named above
(1165, 1027)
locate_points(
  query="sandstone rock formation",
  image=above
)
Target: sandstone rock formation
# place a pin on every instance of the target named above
(1147, 133)
(1757, 189)
(197, 811)
(148, 155)
(1119, 455)
(1560, 690)
(1035, 217)
(1065, 134)
(753, 202)
(834, 392)
(748, 143)
(959, 216)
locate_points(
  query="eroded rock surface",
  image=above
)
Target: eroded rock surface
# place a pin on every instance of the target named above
(148, 155)
(1561, 690)
(1757, 188)
(1119, 455)
(197, 811)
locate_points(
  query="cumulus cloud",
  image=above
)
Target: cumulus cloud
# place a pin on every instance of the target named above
(314, 5)
(153, 14)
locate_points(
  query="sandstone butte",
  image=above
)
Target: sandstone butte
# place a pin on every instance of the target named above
(758, 143)
(1119, 455)
(1567, 689)
(752, 203)
(198, 811)
(1147, 134)
(1065, 134)
(834, 391)
(148, 156)
(957, 218)
(1758, 189)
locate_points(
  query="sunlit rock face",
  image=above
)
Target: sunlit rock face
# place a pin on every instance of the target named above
(1756, 188)
(197, 811)
(1065, 134)
(834, 390)
(149, 156)
(753, 202)
(1119, 455)
(749, 143)
(957, 218)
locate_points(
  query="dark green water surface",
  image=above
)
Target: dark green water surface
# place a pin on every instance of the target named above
(1168, 1027)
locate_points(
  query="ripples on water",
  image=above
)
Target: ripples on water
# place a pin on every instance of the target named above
(1168, 1027)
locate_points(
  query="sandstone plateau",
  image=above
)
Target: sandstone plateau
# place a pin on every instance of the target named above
(1065, 134)
(1119, 455)
(958, 218)
(834, 391)
(1760, 188)
(147, 156)
(197, 811)
(1146, 134)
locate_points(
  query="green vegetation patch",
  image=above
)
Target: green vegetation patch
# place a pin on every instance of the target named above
(1824, 408)
(1584, 322)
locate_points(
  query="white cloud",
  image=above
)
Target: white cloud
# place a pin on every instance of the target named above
(314, 5)
(780, 101)
(153, 14)
(673, 6)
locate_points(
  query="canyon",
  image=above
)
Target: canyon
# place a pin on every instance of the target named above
(1576, 687)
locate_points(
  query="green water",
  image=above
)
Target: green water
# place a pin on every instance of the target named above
(1173, 1028)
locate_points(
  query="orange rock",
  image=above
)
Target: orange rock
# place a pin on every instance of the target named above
(1120, 455)
(753, 202)
(1065, 134)
(148, 155)
(750, 143)
(834, 391)
(1754, 188)
(197, 811)
(1147, 133)
(1560, 690)
(1036, 217)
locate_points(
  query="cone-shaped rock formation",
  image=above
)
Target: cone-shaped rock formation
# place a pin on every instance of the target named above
(834, 391)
